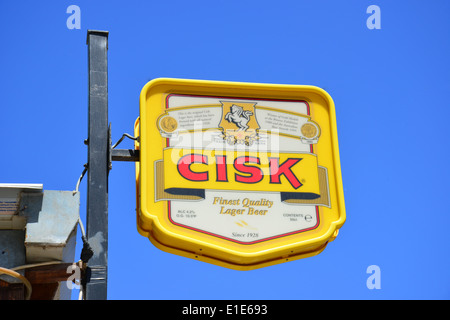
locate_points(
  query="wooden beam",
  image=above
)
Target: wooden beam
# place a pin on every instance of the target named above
(48, 274)
(44, 291)
(11, 291)
(44, 282)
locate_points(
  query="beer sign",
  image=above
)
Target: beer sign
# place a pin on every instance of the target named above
(237, 174)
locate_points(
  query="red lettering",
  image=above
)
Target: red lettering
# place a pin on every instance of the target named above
(245, 172)
(255, 173)
(277, 170)
(184, 167)
(221, 167)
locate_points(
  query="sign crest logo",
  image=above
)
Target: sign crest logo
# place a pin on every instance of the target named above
(238, 123)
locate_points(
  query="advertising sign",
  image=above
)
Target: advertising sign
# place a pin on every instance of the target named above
(240, 175)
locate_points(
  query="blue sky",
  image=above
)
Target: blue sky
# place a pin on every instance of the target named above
(390, 87)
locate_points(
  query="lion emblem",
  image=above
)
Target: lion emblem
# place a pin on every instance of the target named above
(239, 117)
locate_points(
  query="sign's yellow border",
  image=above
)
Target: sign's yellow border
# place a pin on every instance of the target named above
(151, 219)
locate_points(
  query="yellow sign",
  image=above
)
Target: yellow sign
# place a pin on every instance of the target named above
(237, 174)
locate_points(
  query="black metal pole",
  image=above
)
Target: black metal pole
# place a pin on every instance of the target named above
(98, 158)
